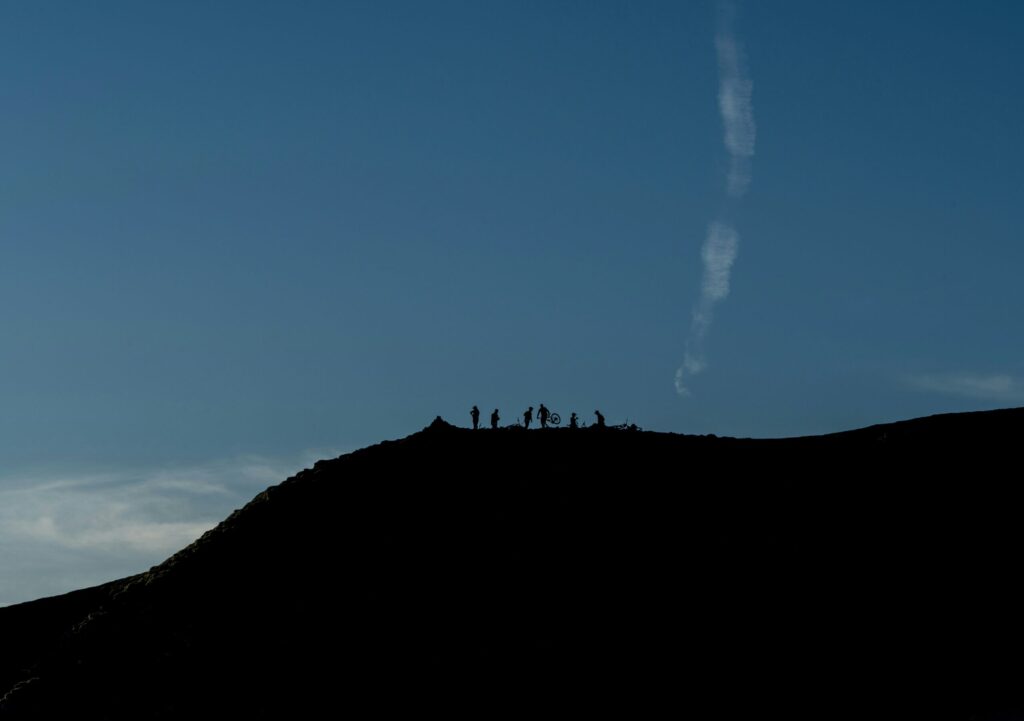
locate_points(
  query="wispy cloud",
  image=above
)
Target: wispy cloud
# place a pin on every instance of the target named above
(123, 534)
(980, 386)
(125, 512)
(735, 94)
(718, 254)
(60, 530)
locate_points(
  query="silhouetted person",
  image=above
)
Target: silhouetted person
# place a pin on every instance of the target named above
(475, 415)
(494, 420)
(600, 419)
(542, 414)
(573, 421)
(527, 417)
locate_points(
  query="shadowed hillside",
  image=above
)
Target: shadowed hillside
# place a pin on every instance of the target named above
(872, 573)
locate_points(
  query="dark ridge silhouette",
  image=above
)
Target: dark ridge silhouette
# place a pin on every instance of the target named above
(867, 574)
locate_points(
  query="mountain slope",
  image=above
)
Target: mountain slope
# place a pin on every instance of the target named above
(476, 572)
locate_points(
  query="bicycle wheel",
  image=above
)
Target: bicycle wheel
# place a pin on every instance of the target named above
(554, 419)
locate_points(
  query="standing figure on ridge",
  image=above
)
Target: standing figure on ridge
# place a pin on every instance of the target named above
(494, 420)
(527, 417)
(573, 421)
(475, 415)
(600, 419)
(542, 414)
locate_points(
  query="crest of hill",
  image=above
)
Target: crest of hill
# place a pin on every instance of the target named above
(867, 569)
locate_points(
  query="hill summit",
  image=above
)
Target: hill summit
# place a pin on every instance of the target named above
(868, 573)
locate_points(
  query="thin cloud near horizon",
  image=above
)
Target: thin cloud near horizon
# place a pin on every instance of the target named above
(78, 530)
(1001, 387)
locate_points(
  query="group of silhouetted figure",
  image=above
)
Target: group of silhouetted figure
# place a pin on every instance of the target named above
(543, 416)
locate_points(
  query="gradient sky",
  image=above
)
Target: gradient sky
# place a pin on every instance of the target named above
(238, 236)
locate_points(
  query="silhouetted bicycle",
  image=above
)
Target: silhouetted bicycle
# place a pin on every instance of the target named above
(554, 419)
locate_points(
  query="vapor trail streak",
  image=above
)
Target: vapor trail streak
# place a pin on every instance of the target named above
(735, 93)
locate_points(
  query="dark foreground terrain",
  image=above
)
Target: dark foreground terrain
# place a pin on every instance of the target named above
(870, 574)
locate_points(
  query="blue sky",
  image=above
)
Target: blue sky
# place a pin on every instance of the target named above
(238, 236)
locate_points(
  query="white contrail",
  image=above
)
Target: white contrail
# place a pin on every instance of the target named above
(734, 103)
(718, 254)
(735, 91)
